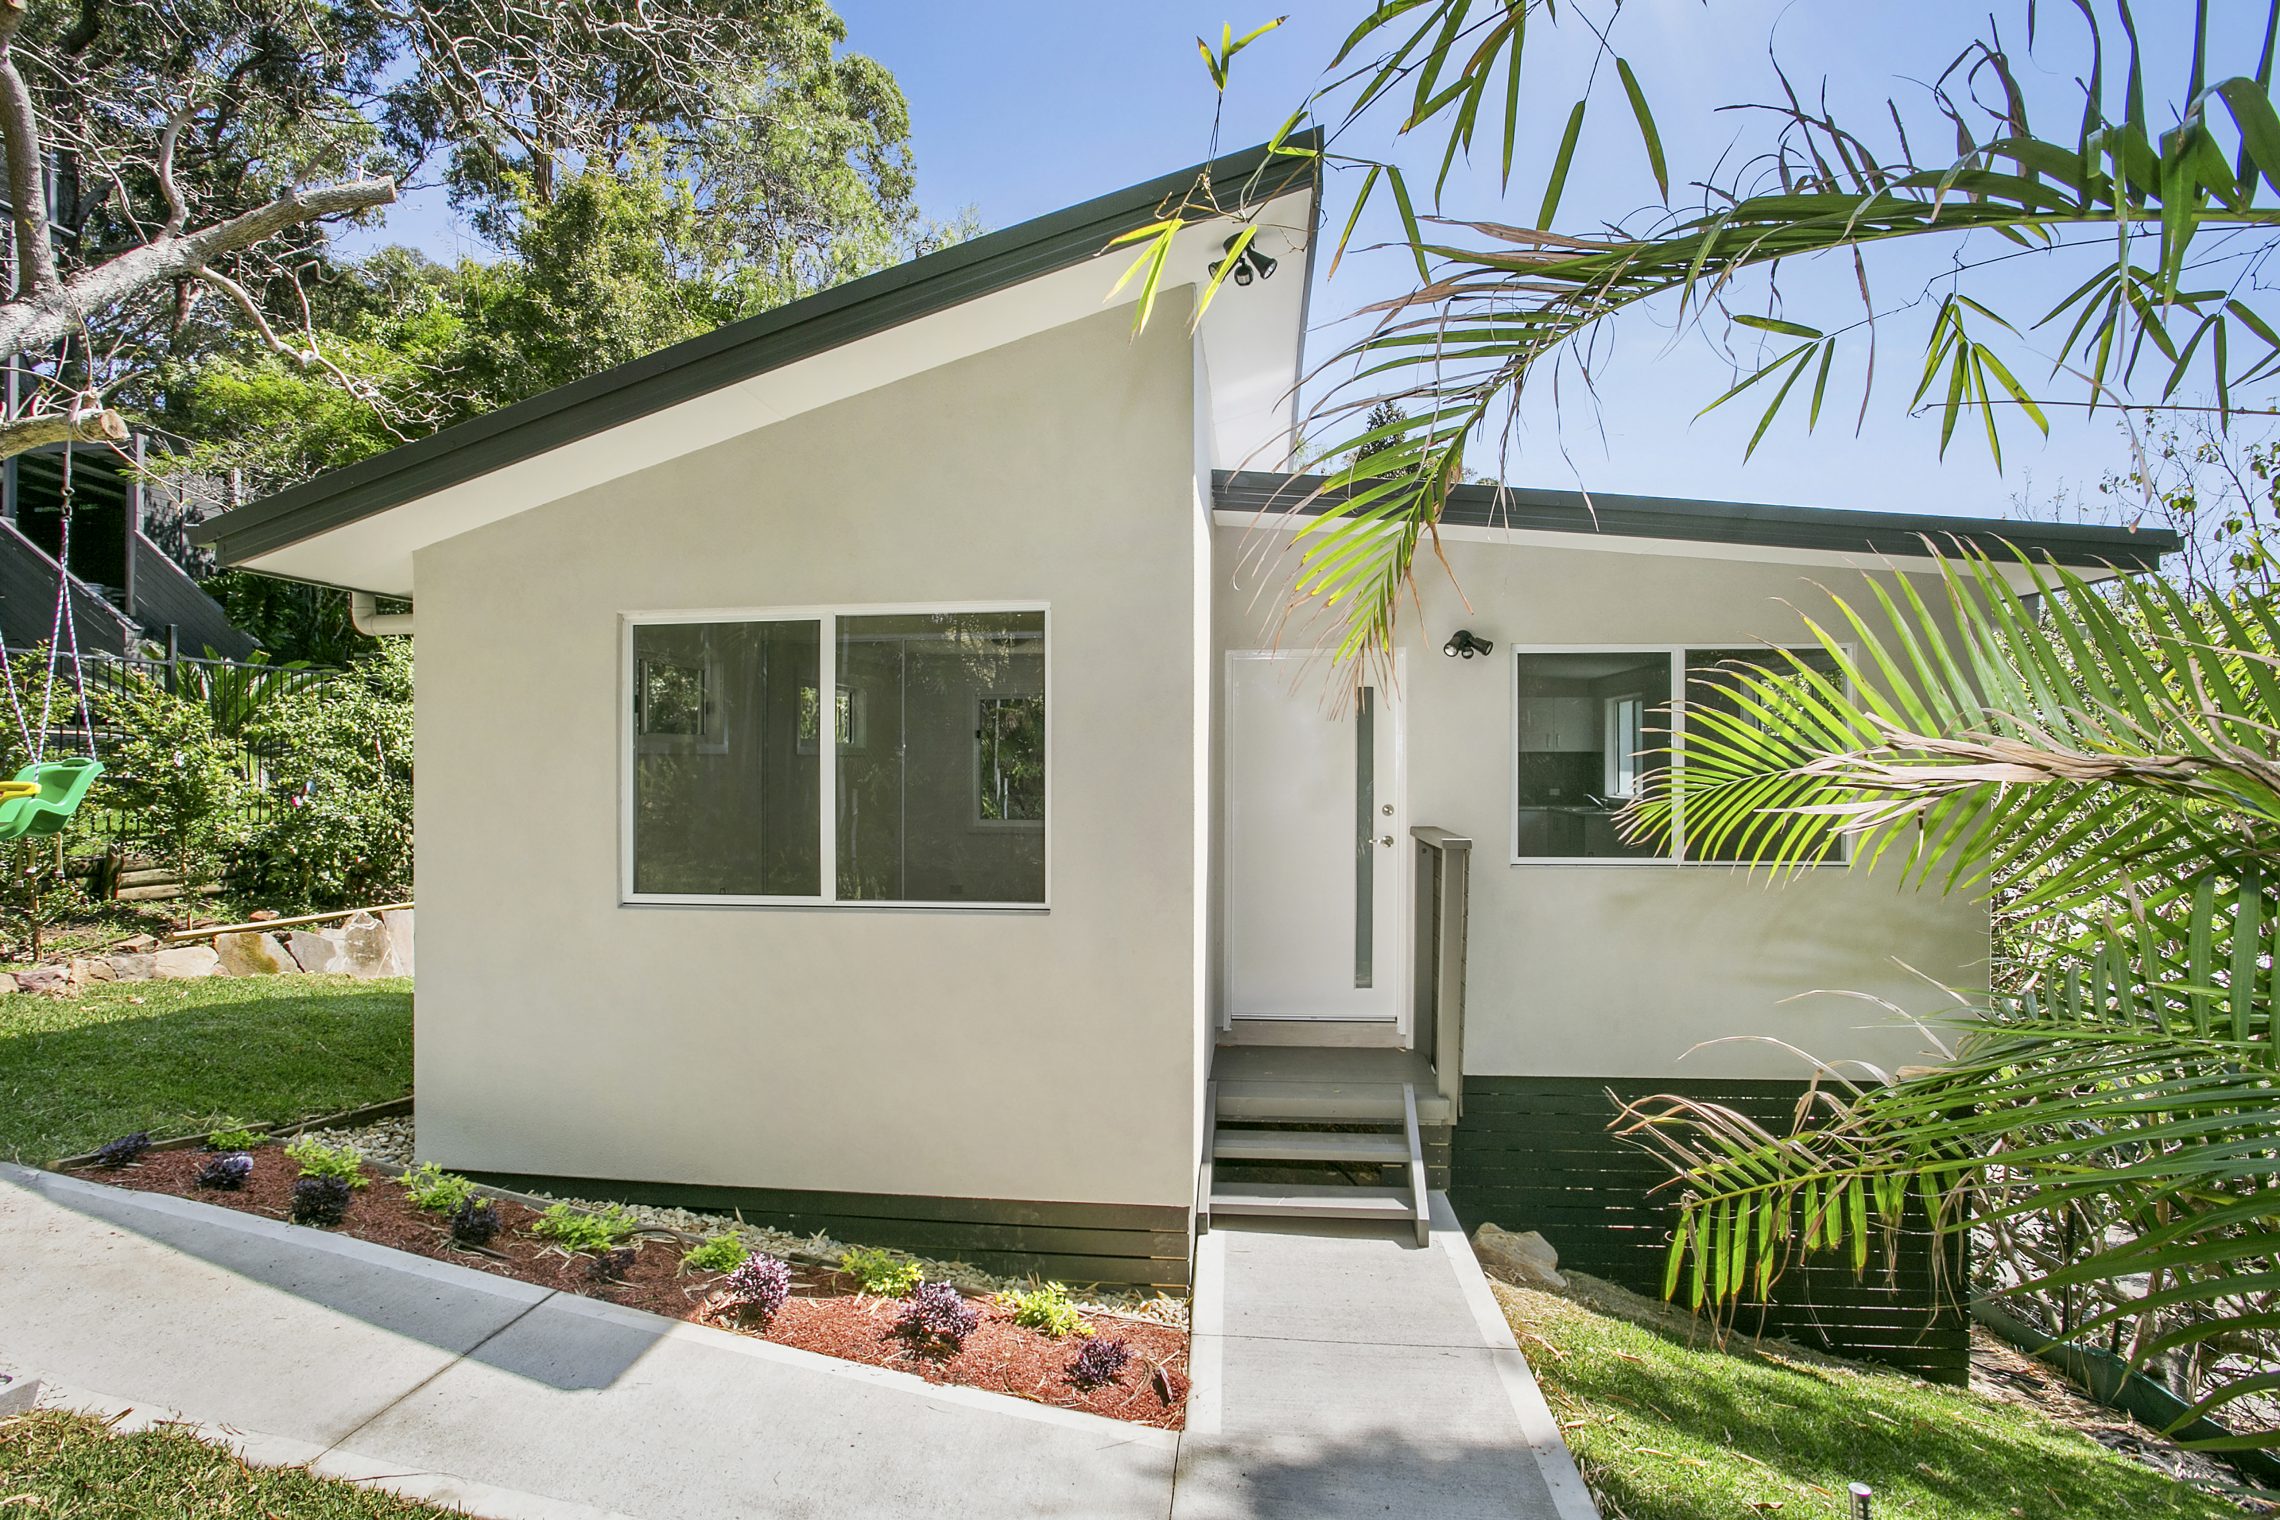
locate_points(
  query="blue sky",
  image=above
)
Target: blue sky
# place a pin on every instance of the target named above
(1023, 106)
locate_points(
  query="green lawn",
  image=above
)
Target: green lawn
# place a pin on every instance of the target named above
(178, 1058)
(1664, 1432)
(67, 1467)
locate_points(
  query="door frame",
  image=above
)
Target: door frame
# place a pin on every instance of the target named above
(1396, 1032)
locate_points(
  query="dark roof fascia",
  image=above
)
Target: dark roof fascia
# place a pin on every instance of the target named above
(1740, 523)
(799, 330)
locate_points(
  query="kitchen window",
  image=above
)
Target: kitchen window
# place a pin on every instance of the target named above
(1592, 726)
(931, 792)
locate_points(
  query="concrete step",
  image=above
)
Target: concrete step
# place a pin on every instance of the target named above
(1309, 1102)
(1305, 1201)
(1307, 1145)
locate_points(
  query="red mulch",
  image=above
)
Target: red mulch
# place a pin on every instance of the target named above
(825, 1314)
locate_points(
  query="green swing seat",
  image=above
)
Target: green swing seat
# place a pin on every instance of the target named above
(62, 786)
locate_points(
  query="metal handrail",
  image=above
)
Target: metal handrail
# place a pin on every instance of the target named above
(1444, 866)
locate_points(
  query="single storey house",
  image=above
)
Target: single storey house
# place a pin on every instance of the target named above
(865, 782)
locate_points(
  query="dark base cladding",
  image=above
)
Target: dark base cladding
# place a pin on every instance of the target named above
(1136, 1244)
(1534, 1153)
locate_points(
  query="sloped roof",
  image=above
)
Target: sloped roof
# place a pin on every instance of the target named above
(1745, 524)
(754, 346)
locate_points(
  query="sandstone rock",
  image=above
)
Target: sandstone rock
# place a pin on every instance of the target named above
(317, 950)
(43, 979)
(92, 968)
(399, 925)
(7, 982)
(136, 944)
(1526, 1260)
(185, 963)
(253, 954)
(131, 968)
(262, 915)
(365, 943)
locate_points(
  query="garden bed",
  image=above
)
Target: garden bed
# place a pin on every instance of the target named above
(826, 1313)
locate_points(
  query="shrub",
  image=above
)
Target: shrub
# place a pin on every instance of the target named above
(317, 1159)
(341, 778)
(881, 1272)
(227, 1171)
(758, 1287)
(476, 1221)
(124, 1150)
(720, 1253)
(576, 1230)
(611, 1266)
(1047, 1309)
(321, 1201)
(171, 765)
(1099, 1363)
(435, 1190)
(234, 1139)
(937, 1316)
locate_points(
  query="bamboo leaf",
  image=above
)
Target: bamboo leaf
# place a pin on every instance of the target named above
(1557, 184)
(1647, 133)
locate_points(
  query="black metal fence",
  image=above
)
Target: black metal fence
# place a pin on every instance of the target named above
(235, 691)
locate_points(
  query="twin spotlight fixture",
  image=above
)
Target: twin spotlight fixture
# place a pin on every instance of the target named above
(1253, 265)
(1466, 643)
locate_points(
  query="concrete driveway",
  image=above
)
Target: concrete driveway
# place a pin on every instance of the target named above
(450, 1384)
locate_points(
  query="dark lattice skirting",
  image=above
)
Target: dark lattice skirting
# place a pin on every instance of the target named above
(1533, 1153)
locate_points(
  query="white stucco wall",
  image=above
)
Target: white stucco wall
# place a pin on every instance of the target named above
(1619, 970)
(1045, 1056)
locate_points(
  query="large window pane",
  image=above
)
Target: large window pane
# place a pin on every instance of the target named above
(1593, 727)
(1718, 687)
(942, 757)
(726, 768)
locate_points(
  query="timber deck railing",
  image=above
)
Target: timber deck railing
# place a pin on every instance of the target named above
(1444, 866)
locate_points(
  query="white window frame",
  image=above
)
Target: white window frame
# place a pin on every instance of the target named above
(827, 779)
(1677, 858)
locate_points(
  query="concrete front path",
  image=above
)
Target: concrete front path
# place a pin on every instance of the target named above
(1343, 1371)
(1334, 1377)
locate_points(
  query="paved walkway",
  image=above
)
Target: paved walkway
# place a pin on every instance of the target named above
(1351, 1373)
(514, 1401)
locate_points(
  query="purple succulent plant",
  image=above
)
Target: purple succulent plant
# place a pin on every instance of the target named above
(227, 1171)
(321, 1201)
(1099, 1363)
(937, 1315)
(759, 1287)
(476, 1222)
(611, 1266)
(125, 1149)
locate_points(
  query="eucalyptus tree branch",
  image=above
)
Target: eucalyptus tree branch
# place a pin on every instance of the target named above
(27, 163)
(94, 425)
(34, 323)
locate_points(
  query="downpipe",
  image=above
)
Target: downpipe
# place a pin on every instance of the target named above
(365, 616)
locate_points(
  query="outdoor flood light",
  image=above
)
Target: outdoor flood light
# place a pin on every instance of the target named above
(1467, 643)
(1253, 264)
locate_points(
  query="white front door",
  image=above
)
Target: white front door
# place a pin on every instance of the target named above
(1317, 844)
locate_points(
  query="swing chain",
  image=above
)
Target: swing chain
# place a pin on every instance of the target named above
(64, 628)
